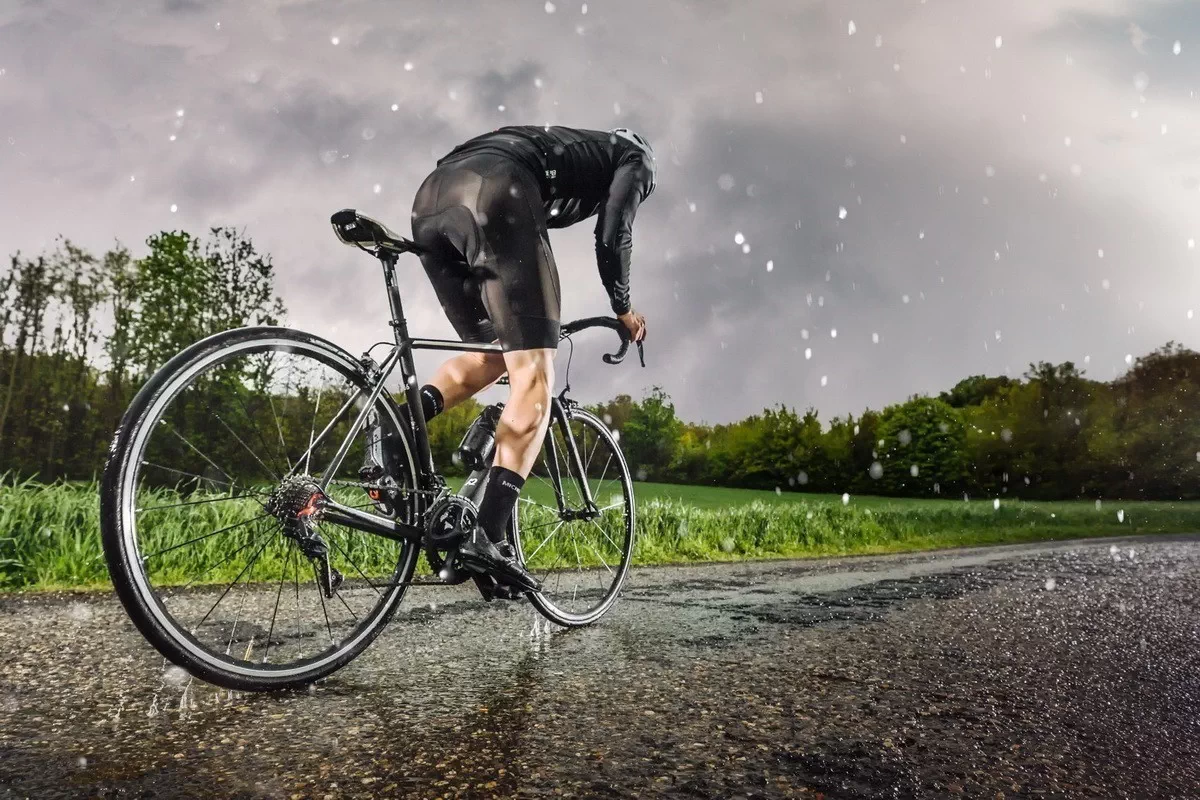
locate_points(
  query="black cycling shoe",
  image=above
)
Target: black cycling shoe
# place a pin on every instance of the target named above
(498, 560)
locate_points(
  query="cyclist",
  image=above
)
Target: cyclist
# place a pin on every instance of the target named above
(481, 219)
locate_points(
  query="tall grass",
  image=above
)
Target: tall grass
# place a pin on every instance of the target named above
(50, 534)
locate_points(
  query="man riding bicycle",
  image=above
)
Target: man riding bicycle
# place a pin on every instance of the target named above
(481, 219)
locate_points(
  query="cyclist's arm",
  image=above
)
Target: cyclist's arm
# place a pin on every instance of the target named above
(614, 230)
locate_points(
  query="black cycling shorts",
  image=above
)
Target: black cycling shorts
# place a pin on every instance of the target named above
(482, 228)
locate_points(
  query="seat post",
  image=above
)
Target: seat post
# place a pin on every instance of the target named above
(399, 323)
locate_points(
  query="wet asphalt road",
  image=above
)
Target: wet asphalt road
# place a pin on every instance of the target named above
(1063, 670)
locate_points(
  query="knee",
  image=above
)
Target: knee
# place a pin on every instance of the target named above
(531, 386)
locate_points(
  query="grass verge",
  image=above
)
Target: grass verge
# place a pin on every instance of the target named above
(49, 534)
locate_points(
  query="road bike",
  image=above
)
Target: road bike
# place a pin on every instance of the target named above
(267, 499)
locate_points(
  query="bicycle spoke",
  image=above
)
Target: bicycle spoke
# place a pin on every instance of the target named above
(602, 561)
(604, 534)
(279, 429)
(354, 564)
(539, 547)
(270, 471)
(231, 585)
(225, 560)
(194, 503)
(275, 613)
(195, 449)
(338, 595)
(313, 443)
(205, 536)
(312, 430)
(197, 477)
(324, 608)
(254, 425)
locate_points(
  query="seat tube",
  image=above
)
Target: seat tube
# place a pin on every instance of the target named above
(408, 367)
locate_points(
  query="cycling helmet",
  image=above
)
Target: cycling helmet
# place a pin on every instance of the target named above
(642, 144)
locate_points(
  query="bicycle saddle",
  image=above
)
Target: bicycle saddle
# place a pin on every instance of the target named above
(359, 230)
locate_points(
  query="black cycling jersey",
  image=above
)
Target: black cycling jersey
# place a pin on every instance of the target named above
(580, 173)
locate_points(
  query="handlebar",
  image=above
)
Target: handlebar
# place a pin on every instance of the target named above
(612, 323)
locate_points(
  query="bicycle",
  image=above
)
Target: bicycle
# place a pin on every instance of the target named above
(214, 487)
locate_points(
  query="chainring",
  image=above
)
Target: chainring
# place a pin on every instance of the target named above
(447, 523)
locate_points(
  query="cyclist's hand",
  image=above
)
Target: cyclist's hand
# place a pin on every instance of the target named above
(635, 323)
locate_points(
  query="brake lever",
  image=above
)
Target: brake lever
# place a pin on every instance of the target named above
(641, 354)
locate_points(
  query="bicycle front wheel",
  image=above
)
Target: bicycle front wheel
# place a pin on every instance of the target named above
(579, 550)
(203, 565)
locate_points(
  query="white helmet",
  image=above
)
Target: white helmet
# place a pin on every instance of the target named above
(642, 144)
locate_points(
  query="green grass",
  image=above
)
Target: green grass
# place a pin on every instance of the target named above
(49, 534)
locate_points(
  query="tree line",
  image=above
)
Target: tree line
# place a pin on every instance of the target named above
(80, 332)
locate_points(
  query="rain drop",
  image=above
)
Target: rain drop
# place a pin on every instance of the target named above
(549, 7)
(174, 208)
(875, 338)
(996, 504)
(824, 380)
(770, 266)
(841, 212)
(999, 42)
(851, 29)
(1121, 515)
(1178, 48)
(1051, 584)
(807, 353)
(876, 470)
(846, 498)
(334, 41)
(914, 470)
(408, 66)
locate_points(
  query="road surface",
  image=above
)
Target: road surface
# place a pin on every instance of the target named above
(1061, 670)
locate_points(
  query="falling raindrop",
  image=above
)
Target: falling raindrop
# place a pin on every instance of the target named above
(999, 41)
(841, 212)
(1051, 584)
(1121, 515)
(408, 66)
(807, 353)
(174, 208)
(875, 338)
(846, 499)
(914, 470)
(824, 380)
(770, 266)
(851, 29)
(1178, 48)
(996, 504)
(876, 470)
(549, 7)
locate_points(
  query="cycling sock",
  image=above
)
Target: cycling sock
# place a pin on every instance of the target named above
(432, 402)
(503, 489)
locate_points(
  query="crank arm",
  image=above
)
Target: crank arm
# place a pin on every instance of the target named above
(369, 523)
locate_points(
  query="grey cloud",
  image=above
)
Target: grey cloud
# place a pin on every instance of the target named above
(93, 91)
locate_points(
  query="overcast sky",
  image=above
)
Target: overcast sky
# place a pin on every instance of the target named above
(954, 186)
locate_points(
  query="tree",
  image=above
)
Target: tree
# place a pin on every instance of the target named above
(651, 437)
(923, 448)
(186, 289)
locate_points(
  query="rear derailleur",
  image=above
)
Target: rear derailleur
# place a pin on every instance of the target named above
(297, 503)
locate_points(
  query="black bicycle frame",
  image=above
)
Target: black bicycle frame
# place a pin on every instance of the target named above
(402, 355)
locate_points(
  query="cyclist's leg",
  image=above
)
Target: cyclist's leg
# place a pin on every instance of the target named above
(522, 299)
(452, 241)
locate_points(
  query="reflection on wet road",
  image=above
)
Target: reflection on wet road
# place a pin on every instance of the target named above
(1058, 670)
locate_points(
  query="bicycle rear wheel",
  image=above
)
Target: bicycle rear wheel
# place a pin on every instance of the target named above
(580, 551)
(203, 565)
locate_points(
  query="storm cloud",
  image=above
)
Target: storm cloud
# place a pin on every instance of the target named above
(952, 188)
